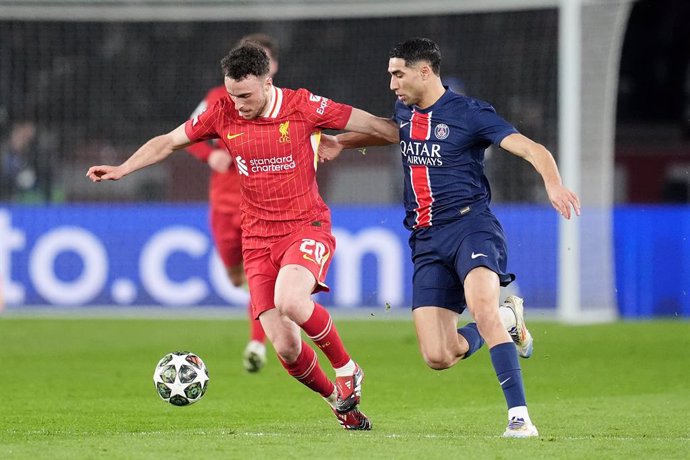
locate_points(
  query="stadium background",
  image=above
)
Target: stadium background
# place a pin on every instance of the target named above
(101, 281)
(91, 91)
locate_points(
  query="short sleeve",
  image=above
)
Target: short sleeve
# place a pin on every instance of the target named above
(203, 126)
(486, 124)
(323, 112)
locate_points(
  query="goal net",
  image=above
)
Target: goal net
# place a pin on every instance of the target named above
(87, 82)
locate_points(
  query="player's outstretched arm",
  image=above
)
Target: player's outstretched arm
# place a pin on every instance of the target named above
(366, 130)
(562, 199)
(372, 130)
(155, 150)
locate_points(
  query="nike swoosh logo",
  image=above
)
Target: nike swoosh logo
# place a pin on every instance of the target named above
(402, 125)
(306, 257)
(232, 136)
(479, 254)
(501, 383)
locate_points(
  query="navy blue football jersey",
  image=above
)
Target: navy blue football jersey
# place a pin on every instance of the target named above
(442, 150)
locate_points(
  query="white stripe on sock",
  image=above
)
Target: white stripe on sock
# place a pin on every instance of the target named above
(325, 331)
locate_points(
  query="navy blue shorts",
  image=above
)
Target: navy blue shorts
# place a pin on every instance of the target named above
(443, 255)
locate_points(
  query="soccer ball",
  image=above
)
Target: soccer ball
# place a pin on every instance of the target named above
(180, 378)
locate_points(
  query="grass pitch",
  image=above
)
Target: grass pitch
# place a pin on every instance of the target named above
(82, 388)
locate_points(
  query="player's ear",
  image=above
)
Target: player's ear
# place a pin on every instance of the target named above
(425, 71)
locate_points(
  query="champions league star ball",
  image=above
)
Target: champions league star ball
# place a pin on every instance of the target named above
(181, 378)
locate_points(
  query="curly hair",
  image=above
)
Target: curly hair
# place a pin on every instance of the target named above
(248, 59)
(263, 40)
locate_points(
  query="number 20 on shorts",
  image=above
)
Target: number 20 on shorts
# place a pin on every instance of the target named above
(313, 250)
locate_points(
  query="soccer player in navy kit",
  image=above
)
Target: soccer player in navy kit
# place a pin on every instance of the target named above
(458, 246)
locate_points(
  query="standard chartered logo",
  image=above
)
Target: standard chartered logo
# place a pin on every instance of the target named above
(274, 164)
(72, 265)
(257, 165)
(241, 165)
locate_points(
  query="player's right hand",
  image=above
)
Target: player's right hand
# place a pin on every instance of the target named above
(104, 172)
(329, 148)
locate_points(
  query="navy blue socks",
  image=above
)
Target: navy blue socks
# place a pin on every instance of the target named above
(504, 357)
(471, 334)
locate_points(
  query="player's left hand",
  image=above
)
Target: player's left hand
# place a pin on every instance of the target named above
(563, 199)
(329, 148)
(219, 160)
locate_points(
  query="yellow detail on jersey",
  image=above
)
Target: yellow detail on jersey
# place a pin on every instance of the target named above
(284, 133)
(232, 136)
(309, 258)
(315, 139)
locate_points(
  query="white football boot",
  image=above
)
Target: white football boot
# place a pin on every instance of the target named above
(254, 356)
(518, 331)
(519, 428)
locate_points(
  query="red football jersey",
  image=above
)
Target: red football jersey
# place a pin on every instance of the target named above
(275, 156)
(224, 188)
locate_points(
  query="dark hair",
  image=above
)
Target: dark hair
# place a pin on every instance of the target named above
(418, 49)
(244, 61)
(263, 40)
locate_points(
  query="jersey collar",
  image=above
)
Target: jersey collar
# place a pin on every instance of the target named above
(274, 104)
(439, 101)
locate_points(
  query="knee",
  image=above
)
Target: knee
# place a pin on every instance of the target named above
(484, 309)
(287, 348)
(439, 360)
(291, 304)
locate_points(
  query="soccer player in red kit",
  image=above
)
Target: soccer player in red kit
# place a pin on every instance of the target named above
(224, 199)
(273, 135)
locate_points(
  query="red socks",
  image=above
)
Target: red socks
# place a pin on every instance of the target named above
(320, 328)
(306, 369)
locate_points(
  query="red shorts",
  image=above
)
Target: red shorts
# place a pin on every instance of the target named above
(227, 235)
(311, 249)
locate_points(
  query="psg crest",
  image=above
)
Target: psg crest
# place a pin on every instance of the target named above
(441, 131)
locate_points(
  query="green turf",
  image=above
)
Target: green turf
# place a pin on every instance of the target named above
(83, 389)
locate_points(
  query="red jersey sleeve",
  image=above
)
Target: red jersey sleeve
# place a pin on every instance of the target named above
(202, 150)
(203, 126)
(323, 112)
